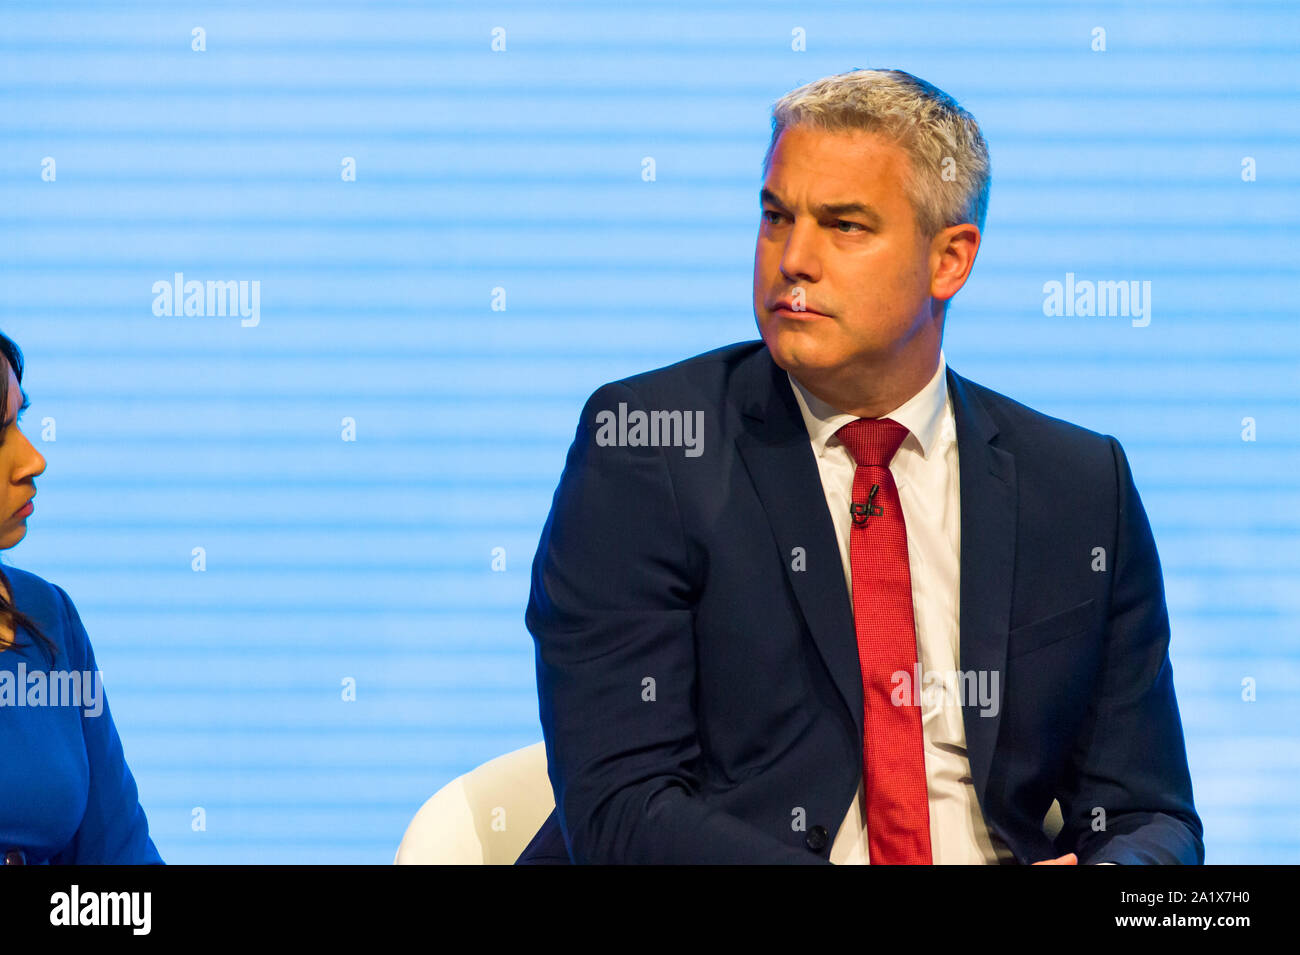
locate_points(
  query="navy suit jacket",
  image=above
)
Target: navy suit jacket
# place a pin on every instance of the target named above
(698, 683)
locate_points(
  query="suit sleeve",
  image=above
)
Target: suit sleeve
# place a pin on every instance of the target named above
(611, 613)
(1130, 761)
(113, 830)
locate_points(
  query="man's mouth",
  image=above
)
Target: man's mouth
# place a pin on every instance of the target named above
(786, 308)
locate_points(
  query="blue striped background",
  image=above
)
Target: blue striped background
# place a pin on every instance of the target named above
(521, 170)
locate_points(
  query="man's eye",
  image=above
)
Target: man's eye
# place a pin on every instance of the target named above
(856, 225)
(769, 212)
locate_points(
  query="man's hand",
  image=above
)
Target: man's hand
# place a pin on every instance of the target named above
(1068, 859)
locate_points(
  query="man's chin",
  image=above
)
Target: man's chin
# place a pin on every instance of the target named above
(801, 349)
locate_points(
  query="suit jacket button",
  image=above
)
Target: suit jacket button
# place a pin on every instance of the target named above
(817, 838)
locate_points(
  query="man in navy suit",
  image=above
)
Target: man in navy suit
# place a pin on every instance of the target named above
(712, 594)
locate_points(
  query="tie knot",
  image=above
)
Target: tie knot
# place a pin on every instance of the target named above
(872, 441)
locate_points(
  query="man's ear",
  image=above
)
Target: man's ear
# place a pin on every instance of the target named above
(952, 256)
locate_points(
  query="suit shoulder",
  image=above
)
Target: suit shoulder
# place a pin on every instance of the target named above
(701, 373)
(1039, 429)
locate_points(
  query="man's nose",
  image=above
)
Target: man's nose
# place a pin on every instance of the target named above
(800, 261)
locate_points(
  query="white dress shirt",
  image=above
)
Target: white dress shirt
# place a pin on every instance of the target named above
(929, 488)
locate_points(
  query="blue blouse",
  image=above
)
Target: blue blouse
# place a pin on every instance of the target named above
(66, 794)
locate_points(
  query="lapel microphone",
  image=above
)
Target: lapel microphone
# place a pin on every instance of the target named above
(864, 512)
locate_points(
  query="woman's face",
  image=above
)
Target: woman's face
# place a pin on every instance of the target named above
(20, 463)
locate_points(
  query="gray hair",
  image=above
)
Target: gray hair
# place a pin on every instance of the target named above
(948, 180)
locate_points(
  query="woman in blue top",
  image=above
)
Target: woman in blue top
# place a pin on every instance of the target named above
(66, 794)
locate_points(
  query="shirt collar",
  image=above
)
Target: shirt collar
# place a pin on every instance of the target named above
(922, 414)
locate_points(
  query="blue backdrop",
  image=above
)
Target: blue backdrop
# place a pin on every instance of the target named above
(443, 212)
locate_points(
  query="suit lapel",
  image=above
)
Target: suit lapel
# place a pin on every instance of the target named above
(988, 554)
(775, 448)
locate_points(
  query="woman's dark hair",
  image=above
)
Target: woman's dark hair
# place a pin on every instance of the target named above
(8, 612)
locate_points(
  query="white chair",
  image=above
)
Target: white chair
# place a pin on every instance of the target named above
(490, 814)
(485, 817)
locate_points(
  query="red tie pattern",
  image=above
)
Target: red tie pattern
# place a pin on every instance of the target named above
(893, 755)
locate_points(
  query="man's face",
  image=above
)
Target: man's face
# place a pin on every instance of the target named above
(837, 224)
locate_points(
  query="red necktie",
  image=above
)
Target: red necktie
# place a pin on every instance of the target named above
(893, 755)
